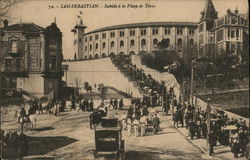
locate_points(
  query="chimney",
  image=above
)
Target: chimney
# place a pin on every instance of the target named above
(5, 23)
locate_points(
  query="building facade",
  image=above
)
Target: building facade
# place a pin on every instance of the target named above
(221, 35)
(133, 38)
(212, 36)
(31, 56)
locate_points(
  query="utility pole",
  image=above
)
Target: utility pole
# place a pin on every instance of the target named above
(208, 116)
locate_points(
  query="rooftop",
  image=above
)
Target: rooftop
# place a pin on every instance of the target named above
(144, 24)
(28, 27)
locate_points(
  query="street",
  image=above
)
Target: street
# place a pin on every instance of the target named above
(68, 136)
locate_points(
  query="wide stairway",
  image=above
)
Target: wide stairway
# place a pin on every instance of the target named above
(99, 71)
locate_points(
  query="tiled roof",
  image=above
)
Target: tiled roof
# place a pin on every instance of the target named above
(28, 27)
(144, 24)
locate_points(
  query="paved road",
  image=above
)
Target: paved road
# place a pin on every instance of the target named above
(68, 137)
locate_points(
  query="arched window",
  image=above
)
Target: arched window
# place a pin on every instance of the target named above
(103, 45)
(191, 41)
(132, 43)
(179, 42)
(121, 44)
(155, 43)
(112, 44)
(90, 47)
(96, 56)
(96, 46)
(143, 42)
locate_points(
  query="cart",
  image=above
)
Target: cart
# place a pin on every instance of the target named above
(108, 140)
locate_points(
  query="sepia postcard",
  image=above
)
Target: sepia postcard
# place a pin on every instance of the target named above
(124, 80)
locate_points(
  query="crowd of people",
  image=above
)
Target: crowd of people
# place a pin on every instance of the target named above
(223, 130)
(13, 145)
(195, 120)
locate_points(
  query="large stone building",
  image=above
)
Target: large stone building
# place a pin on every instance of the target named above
(212, 35)
(31, 57)
(132, 38)
(221, 35)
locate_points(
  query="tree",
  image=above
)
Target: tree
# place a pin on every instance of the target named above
(5, 8)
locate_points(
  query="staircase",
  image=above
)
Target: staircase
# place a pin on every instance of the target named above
(99, 71)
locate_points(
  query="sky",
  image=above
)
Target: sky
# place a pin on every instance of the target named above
(38, 12)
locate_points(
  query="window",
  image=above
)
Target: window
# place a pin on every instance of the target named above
(121, 44)
(179, 42)
(80, 40)
(237, 32)
(52, 41)
(90, 38)
(86, 48)
(143, 42)
(96, 37)
(103, 45)
(191, 31)
(232, 33)
(143, 32)
(228, 33)
(90, 47)
(96, 46)
(121, 33)
(167, 31)
(14, 47)
(112, 34)
(132, 33)
(179, 31)
(104, 36)
(155, 31)
(155, 41)
(112, 44)
(132, 43)
(86, 39)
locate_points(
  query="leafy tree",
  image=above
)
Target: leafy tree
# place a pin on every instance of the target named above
(5, 8)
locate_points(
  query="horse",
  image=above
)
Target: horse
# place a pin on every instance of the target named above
(95, 117)
(25, 121)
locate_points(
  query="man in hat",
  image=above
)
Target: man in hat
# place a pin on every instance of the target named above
(212, 142)
(156, 124)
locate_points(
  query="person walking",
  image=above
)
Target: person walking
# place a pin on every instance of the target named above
(212, 142)
(40, 108)
(121, 104)
(156, 124)
(129, 126)
(136, 125)
(143, 124)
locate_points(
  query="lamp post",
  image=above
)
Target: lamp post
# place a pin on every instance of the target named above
(208, 116)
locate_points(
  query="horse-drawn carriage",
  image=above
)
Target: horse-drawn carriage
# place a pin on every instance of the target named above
(108, 139)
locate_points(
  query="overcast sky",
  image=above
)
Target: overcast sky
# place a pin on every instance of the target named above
(165, 10)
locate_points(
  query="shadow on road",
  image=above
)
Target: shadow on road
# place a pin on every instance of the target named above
(43, 145)
(43, 129)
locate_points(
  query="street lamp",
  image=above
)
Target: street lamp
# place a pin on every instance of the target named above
(208, 116)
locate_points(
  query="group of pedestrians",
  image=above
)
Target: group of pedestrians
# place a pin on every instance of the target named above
(223, 130)
(13, 145)
(147, 85)
(116, 104)
(86, 105)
